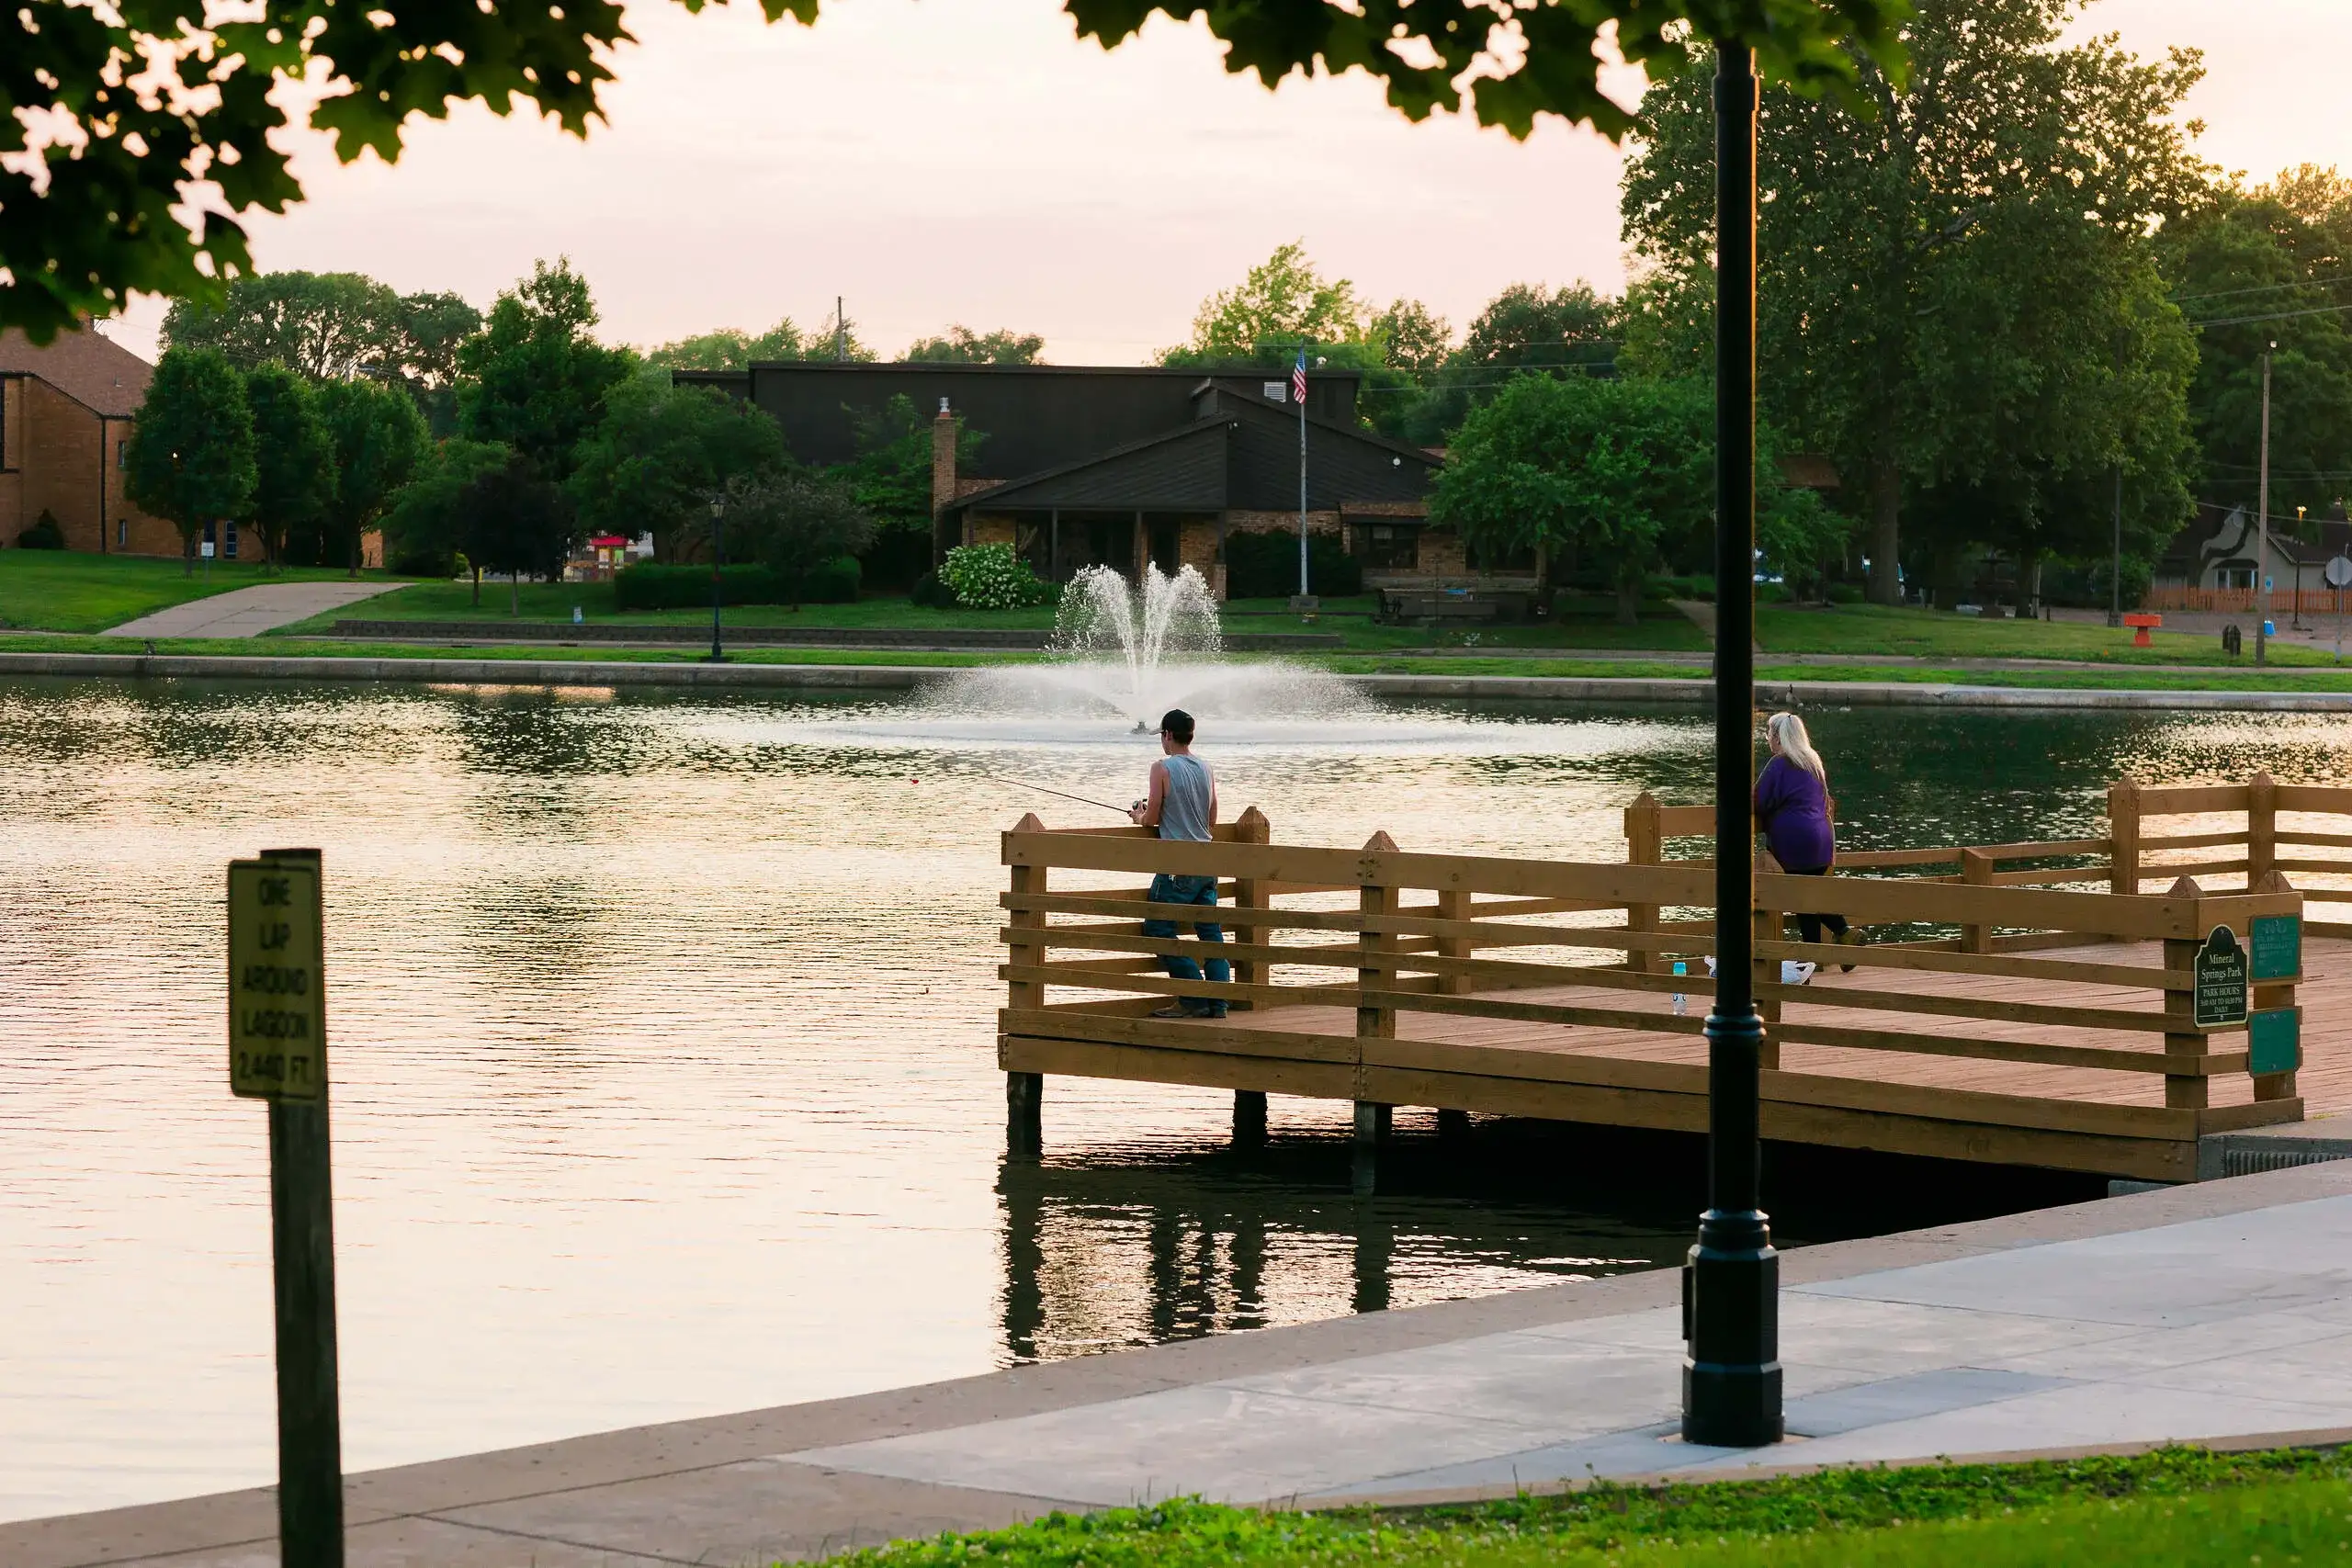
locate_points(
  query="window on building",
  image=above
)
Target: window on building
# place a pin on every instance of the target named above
(1389, 546)
(122, 532)
(229, 548)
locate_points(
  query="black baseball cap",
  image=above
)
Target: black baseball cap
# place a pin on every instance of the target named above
(1178, 722)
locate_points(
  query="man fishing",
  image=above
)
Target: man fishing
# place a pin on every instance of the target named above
(1182, 806)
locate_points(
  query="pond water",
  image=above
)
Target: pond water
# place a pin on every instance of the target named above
(664, 1075)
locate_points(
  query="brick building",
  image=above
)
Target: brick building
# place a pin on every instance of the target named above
(65, 413)
(1119, 465)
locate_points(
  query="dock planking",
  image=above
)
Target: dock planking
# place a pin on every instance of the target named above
(2051, 1026)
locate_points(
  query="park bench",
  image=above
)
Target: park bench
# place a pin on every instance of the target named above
(1433, 604)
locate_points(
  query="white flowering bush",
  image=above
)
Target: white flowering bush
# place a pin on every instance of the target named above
(990, 577)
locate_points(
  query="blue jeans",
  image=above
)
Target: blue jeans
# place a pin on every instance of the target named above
(1195, 890)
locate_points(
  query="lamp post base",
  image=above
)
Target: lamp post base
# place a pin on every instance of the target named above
(1730, 1321)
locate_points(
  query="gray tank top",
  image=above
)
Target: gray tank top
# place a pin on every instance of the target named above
(1184, 810)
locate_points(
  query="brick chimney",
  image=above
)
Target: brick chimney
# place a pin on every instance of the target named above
(943, 459)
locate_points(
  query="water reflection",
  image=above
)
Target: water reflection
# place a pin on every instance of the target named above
(664, 1070)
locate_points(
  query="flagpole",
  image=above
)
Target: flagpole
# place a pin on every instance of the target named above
(1298, 382)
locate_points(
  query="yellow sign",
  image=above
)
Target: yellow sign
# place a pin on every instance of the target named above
(278, 1002)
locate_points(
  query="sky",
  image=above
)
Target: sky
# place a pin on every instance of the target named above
(972, 161)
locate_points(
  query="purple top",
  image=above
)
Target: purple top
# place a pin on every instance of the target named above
(1793, 808)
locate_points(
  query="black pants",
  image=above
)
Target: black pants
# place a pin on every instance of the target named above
(1809, 926)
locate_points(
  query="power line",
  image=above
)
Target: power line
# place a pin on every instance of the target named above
(2274, 316)
(2264, 288)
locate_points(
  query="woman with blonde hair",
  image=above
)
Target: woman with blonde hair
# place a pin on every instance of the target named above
(1793, 807)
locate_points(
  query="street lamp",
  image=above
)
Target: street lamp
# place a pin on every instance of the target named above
(717, 560)
(2262, 520)
(2298, 611)
(1731, 1368)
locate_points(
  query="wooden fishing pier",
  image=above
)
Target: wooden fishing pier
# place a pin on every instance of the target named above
(2027, 1003)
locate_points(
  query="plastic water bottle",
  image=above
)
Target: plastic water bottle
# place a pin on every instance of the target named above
(1681, 1002)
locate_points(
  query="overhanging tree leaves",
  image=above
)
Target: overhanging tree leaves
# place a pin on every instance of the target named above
(191, 451)
(106, 156)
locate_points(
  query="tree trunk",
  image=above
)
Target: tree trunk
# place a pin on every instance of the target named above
(188, 551)
(514, 592)
(477, 586)
(1629, 601)
(1886, 521)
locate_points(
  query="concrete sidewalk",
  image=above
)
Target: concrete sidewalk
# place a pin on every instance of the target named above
(249, 611)
(2218, 1312)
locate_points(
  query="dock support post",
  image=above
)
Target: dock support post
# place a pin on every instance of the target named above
(2184, 1091)
(1453, 1126)
(1770, 926)
(1025, 1122)
(1249, 1119)
(1731, 1369)
(1370, 1132)
(2123, 837)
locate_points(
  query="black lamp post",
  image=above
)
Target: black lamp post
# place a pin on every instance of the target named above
(718, 580)
(1731, 1369)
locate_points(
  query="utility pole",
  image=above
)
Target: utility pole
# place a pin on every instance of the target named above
(2262, 523)
(1730, 1367)
(841, 333)
(2115, 569)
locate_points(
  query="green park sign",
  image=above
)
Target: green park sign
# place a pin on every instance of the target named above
(2222, 980)
(2278, 944)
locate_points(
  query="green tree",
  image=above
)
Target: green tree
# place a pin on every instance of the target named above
(323, 325)
(1611, 476)
(1412, 337)
(377, 437)
(796, 522)
(662, 451)
(2250, 269)
(1915, 242)
(293, 456)
(728, 349)
(536, 380)
(1529, 326)
(1282, 303)
(961, 346)
(115, 185)
(190, 457)
(512, 521)
(425, 530)
(891, 480)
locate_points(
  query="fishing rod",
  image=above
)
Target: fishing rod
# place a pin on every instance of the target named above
(1023, 784)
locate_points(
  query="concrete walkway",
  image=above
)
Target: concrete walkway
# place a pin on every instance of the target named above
(2219, 1312)
(249, 611)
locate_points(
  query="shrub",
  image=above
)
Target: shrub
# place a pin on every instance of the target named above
(1842, 594)
(1264, 565)
(992, 577)
(44, 534)
(932, 594)
(651, 586)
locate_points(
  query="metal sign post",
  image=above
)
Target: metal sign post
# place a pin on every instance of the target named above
(277, 1051)
(2339, 576)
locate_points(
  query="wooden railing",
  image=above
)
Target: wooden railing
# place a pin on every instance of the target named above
(1414, 941)
(2243, 851)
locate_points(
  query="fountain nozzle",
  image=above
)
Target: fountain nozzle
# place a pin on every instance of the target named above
(1141, 728)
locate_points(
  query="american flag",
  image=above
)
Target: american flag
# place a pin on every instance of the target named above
(1298, 379)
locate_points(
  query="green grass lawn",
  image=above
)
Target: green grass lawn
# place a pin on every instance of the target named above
(2175, 1506)
(1876, 629)
(1347, 618)
(66, 591)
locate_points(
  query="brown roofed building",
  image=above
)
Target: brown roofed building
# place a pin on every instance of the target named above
(65, 413)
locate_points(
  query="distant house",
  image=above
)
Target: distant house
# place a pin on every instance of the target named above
(2212, 564)
(1117, 466)
(65, 413)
